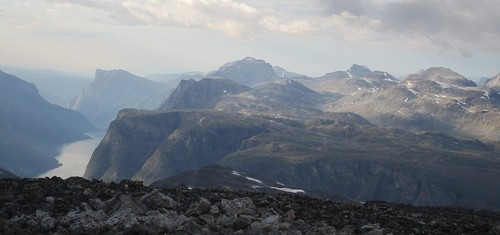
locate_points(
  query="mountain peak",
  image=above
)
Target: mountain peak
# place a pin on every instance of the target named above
(494, 82)
(358, 71)
(248, 71)
(446, 76)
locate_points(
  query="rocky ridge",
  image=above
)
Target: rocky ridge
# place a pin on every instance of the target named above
(79, 206)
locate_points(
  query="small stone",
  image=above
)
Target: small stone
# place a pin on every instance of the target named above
(239, 224)
(46, 221)
(214, 210)
(271, 219)
(238, 206)
(155, 199)
(290, 214)
(375, 232)
(50, 199)
(204, 206)
(88, 192)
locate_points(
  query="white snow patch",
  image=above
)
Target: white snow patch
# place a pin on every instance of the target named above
(190, 188)
(359, 88)
(280, 183)
(406, 99)
(253, 179)
(289, 190)
(256, 186)
(412, 91)
(443, 85)
(390, 80)
(236, 173)
(349, 74)
(374, 89)
(485, 95)
(368, 81)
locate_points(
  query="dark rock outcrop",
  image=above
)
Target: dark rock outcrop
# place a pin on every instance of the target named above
(78, 206)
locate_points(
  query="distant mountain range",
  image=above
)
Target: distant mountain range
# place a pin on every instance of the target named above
(113, 90)
(280, 130)
(57, 87)
(430, 138)
(32, 129)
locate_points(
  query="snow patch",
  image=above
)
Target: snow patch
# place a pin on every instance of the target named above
(289, 190)
(236, 173)
(256, 186)
(443, 85)
(412, 91)
(280, 183)
(368, 81)
(254, 180)
(350, 75)
(486, 95)
(374, 89)
(406, 99)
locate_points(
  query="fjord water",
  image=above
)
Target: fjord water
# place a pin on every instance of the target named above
(74, 157)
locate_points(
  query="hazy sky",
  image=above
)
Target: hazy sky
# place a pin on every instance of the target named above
(312, 37)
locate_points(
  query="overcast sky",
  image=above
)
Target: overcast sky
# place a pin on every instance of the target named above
(312, 37)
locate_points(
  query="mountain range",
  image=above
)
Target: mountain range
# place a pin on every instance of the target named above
(282, 130)
(32, 129)
(430, 138)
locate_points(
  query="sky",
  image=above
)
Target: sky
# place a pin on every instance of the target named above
(312, 37)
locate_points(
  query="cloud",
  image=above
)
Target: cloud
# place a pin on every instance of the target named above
(452, 26)
(459, 26)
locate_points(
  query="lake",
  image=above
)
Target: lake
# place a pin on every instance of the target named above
(75, 156)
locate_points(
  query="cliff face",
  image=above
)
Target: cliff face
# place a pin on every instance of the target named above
(149, 146)
(338, 153)
(113, 90)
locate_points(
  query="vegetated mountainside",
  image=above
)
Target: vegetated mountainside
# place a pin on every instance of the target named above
(77, 206)
(57, 87)
(437, 100)
(31, 129)
(248, 71)
(337, 153)
(114, 90)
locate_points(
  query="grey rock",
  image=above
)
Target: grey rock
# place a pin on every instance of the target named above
(156, 200)
(238, 206)
(86, 222)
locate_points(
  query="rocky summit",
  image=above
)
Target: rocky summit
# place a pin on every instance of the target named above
(78, 206)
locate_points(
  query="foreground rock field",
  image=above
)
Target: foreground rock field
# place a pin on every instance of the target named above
(79, 206)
